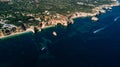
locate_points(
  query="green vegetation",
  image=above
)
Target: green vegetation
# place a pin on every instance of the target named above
(17, 7)
(17, 19)
(0, 25)
(59, 6)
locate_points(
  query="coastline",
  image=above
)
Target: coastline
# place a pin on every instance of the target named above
(28, 30)
(14, 34)
(96, 11)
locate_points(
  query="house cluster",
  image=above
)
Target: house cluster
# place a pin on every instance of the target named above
(7, 29)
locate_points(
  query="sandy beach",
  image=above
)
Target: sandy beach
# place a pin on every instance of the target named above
(28, 30)
(13, 34)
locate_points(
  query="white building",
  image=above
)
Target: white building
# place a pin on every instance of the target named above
(8, 26)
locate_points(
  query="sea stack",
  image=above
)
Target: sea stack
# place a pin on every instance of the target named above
(94, 19)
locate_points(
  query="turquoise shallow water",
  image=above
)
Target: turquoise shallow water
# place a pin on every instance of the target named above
(74, 46)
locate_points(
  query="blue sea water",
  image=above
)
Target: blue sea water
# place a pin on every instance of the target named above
(83, 48)
(74, 46)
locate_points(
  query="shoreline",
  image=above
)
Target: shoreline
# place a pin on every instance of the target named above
(95, 11)
(28, 30)
(13, 34)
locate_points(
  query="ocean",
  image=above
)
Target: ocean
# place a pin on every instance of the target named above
(74, 46)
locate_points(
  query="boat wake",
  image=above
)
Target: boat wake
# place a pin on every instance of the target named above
(100, 29)
(116, 18)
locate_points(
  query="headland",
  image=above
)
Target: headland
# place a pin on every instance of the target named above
(18, 22)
